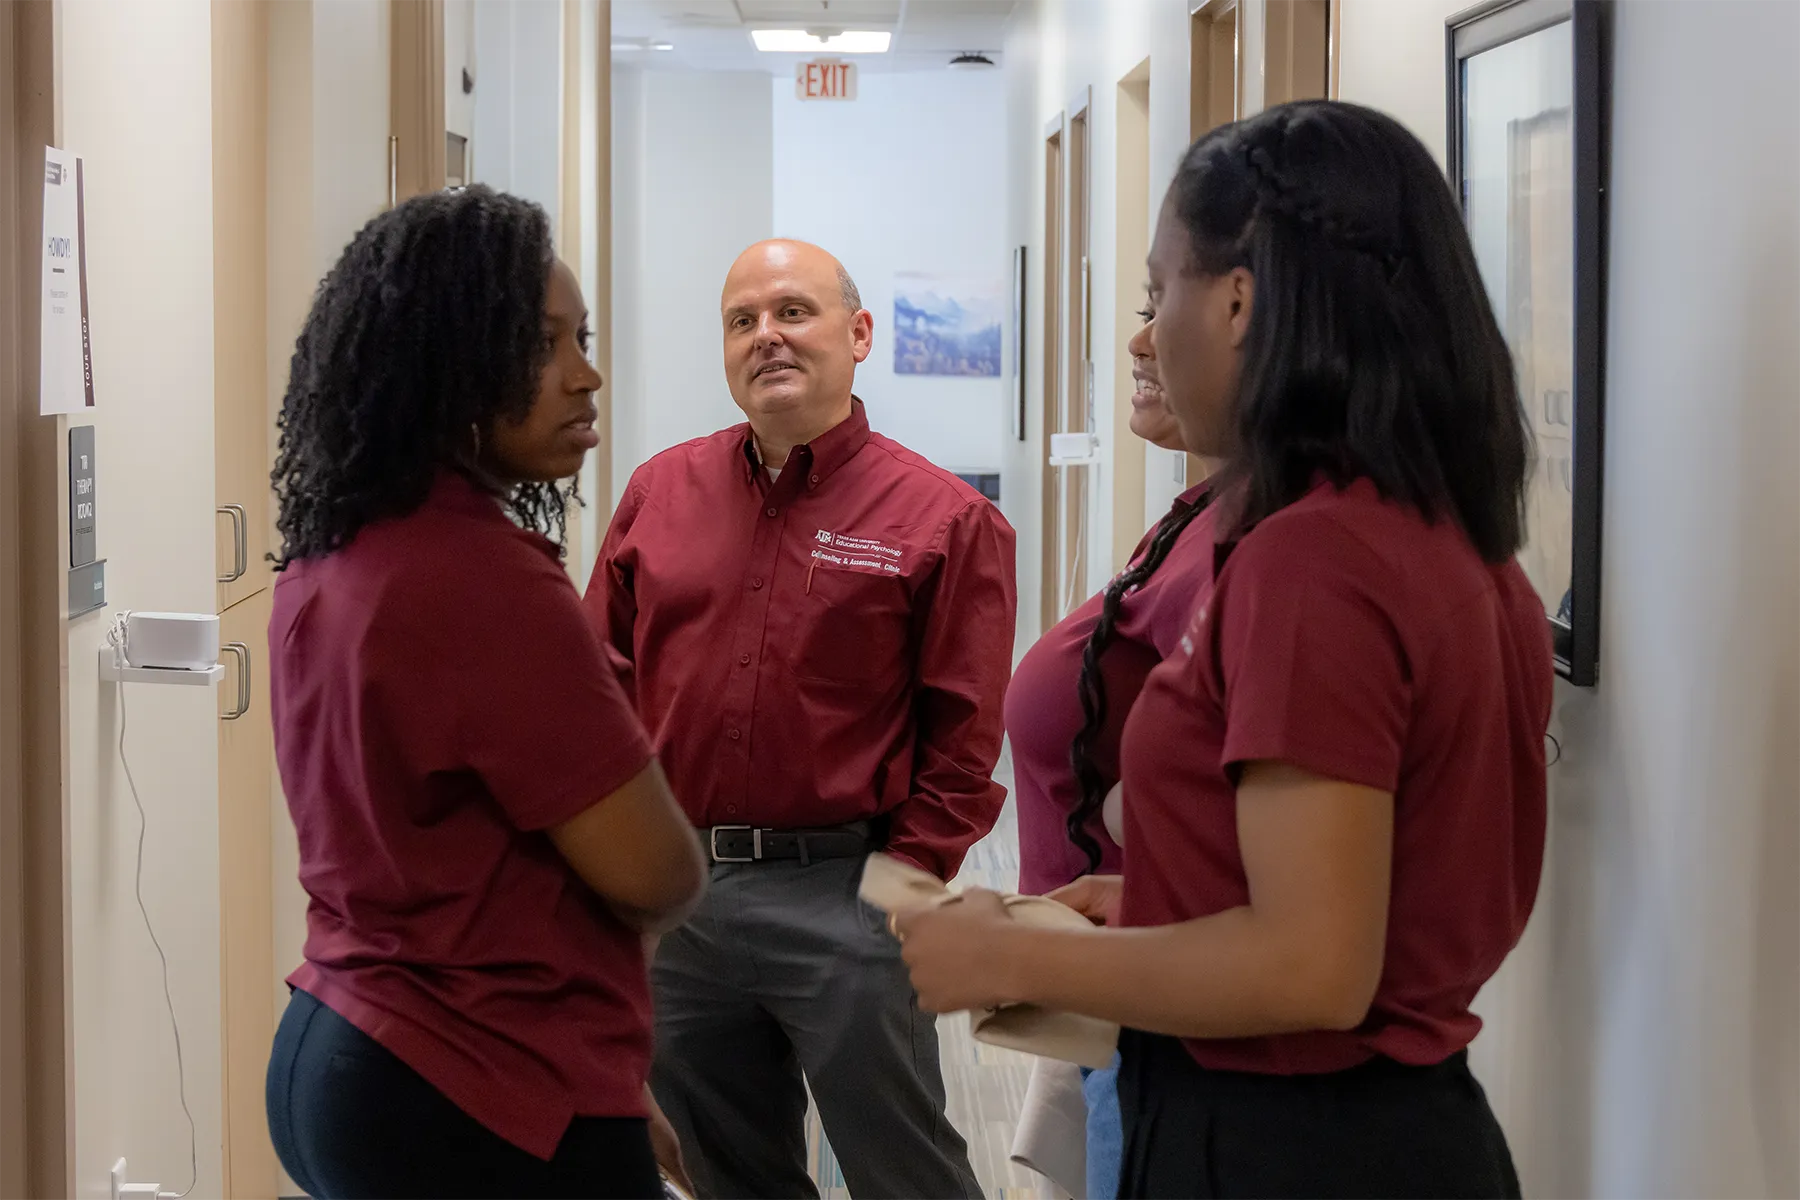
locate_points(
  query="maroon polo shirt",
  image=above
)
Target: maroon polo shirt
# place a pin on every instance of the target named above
(439, 701)
(826, 648)
(1043, 703)
(1348, 637)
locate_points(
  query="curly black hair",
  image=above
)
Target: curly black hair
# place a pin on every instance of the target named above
(427, 331)
(1092, 686)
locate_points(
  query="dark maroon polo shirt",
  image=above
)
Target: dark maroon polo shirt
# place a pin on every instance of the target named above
(439, 701)
(1043, 703)
(1348, 637)
(826, 648)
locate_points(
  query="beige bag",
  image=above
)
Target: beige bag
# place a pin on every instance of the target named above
(892, 886)
(1052, 1135)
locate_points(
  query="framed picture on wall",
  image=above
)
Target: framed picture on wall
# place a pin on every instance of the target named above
(1018, 343)
(1527, 128)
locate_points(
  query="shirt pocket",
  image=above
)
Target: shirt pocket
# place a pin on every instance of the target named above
(852, 627)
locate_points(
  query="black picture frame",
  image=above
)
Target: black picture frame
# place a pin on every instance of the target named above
(1574, 624)
(1018, 344)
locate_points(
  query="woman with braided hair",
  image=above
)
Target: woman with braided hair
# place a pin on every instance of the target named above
(1334, 788)
(1067, 704)
(485, 838)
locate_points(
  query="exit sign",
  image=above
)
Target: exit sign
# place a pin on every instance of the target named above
(825, 79)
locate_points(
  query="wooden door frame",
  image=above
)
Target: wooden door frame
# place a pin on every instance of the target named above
(242, 459)
(1132, 201)
(36, 1146)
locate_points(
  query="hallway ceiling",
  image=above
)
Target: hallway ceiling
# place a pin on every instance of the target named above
(714, 35)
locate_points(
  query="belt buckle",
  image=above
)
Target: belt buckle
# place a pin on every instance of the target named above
(755, 844)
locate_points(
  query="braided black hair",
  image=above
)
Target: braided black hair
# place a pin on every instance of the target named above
(1372, 349)
(1092, 686)
(427, 331)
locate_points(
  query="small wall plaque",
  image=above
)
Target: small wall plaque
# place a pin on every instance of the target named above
(83, 526)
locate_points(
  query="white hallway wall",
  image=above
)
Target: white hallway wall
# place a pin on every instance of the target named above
(692, 155)
(135, 100)
(909, 176)
(1643, 1039)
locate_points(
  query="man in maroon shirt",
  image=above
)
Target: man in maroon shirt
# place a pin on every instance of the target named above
(818, 626)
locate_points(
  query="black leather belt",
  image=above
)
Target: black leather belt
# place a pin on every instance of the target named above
(748, 844)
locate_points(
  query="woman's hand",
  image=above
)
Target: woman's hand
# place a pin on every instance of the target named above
(1095, 897)
(666, 1145)
(952, 950)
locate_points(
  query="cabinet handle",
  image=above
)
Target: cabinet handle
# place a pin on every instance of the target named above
(240, 652)
(393, 170)
(240, 543)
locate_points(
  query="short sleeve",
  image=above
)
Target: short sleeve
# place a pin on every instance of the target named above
(1310, 655)
(544, 721)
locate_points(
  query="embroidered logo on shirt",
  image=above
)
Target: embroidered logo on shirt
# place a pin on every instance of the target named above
(857, 553)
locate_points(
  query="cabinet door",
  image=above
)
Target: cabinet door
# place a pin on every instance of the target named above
(246, 811)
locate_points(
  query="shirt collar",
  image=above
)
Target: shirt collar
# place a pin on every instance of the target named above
(456, 492)
(819, 459)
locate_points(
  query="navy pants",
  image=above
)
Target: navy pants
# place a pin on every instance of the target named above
(350, 1120)
(1381, 1129)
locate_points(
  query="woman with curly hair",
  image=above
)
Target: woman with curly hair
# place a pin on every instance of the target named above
(485, 838)
(1334, 788)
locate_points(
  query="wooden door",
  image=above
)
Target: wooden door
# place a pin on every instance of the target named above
(1296, 50)
(1078, 388)
(242, 458)
(416, 98)
(1215, 95)
(1049, 612)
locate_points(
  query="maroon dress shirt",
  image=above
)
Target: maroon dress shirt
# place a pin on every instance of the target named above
(829, 647)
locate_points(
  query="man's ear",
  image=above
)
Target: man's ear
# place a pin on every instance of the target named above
(862, 334)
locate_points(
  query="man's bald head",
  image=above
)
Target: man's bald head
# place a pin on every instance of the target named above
(778, 252)
(795, 328)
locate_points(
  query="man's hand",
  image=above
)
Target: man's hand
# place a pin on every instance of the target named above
(1095, 897)
(666, 1145)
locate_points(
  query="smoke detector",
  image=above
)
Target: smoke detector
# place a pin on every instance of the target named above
(971, 61)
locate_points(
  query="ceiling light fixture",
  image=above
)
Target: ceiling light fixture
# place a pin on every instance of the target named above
(808, 41)
(971, 61)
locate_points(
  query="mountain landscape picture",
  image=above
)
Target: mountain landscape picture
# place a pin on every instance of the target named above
(946, 325)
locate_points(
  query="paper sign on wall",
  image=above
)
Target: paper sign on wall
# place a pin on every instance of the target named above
(65, 372)
(825, 79)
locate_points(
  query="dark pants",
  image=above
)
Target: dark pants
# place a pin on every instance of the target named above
(785, 979)
(350, 1120)
(1382, 1129)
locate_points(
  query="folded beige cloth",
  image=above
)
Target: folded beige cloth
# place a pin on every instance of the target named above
(892, 886)
(1052, 1134)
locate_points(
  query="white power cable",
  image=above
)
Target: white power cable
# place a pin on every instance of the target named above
(117, 635)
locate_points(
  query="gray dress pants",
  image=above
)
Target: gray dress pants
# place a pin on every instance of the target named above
(784, 971)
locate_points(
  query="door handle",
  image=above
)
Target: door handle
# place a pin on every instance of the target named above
(240, 652)
(240, 543)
